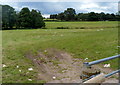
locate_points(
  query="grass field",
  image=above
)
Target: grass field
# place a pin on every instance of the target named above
(82, 43)
(77, 25)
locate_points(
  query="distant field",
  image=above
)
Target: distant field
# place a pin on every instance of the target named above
(77, 25)
(82, 43)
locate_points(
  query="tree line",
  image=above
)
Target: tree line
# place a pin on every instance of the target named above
(26, 19)
(70, 15)
(21, 20)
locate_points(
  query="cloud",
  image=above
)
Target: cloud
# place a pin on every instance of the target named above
(89, 5)
(30, 8)
(13, 4)
(60, 1)
(55, 7)
(46, 15)
(99, 7)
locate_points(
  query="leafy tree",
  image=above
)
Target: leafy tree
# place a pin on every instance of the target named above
(24, 18)
(108, 16)
(0, 17)
(82, 16)
(113, 17)
(61, 16)
(92, 16)
(102, 16)
(27, 19)
(8, 17)
(69, 14)
(118, 17)
(53, 16)
(36, 19)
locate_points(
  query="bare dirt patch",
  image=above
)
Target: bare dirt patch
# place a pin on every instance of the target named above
(55, 66)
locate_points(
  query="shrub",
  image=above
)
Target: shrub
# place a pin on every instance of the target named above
(63, 28)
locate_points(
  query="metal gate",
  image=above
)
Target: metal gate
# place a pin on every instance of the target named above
(96, 76)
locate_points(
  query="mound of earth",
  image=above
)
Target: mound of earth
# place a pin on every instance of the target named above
(55, 66)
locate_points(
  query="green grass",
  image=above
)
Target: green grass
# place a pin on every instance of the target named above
(77, 25)
(83, 43)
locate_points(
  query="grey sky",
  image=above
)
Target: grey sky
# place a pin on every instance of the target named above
(57, 6)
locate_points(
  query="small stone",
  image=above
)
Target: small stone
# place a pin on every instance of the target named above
(35, 59)
(86, 58)
(17, 66)
(54, 77)
(30, 69)
(20, 71)
(4, 65)
(29, 79)
(45, 51)
(27, 72)
(107, 65)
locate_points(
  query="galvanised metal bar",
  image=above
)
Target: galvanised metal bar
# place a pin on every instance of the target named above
(110, 74)
(105, 76)
(101, 60)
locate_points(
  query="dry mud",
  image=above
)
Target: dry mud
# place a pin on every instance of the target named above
(55, 66)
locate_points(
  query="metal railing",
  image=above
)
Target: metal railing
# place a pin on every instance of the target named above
(89, 64)
(101, 60)
(112, 73)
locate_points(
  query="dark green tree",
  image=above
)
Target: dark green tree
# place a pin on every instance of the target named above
(36, 19)
(24, 18)
(53, 16)
(113, 17)
(69, 14)
(0, 17)
(61, 16)
(102, 16)
(118, 16)
(8, 17)
(82, 16)
(92, 16)
(108, 17)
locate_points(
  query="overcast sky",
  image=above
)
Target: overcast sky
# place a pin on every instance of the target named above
(48, 7)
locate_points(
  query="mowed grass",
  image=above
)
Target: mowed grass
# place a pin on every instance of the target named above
(81, 43)
(77, 25)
